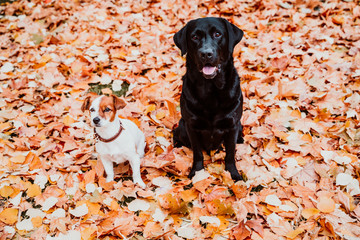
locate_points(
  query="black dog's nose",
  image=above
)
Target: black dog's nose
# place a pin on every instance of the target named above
(206, 54)
(96, 120)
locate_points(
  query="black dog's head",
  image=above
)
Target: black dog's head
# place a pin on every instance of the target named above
(209, 43)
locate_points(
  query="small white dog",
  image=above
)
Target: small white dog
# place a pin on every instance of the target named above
(118, 140)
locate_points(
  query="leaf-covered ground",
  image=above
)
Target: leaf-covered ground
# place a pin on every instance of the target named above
(299, 62)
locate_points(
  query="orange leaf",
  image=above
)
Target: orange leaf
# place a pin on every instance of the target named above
(35, 163)
(240, 232)
(89, 177)
(239, 189)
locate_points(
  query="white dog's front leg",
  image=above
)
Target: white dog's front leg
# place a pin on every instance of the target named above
(135, 166)
(109, 168)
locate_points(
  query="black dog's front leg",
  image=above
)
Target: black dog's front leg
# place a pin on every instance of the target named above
(240, 138)
(198, 158)
(230, 143)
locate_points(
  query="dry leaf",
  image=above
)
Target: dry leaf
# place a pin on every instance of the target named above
(9, 215)
(309, 212)
(326, 204)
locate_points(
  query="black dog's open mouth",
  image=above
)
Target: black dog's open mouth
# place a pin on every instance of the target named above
(209, 71)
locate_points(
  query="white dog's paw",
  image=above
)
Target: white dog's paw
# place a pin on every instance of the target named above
(140, 183)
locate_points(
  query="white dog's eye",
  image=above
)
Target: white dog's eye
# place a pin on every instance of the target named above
(92, 110)
(107, 109)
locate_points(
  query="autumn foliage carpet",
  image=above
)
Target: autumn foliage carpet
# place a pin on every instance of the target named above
(299, 62)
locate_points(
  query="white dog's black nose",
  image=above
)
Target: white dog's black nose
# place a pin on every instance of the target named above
(96, 120)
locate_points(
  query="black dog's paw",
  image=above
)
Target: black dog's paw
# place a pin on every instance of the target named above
(194, 170)
(240, 140)
(235, 175)
(177, 143)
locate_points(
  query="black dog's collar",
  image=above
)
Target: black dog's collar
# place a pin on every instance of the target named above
(98, 137)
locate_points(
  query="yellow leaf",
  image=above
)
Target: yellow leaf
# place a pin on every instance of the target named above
(6, 191)
(224, 223)
(326, 204)
(296, 113)
(160, 115)
(188, 195)
(18, 159)
(5, 126)
(45, 58)
(171, 76)
(309, 212)
(88, 233)
(68, 120)
(34, 190)
(295, 233)
(150, 108)
(36, 221)
(338, 19)
(9, 216)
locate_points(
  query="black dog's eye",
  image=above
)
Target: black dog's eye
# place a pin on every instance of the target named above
(217, 34)
(107, 109)
(92, 110)
(195, 37)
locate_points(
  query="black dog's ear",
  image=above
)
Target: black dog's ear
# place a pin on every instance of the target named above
(180, 40)
(235, 35)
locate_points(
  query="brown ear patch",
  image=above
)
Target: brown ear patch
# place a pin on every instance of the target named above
(118, 102)
(86, 104)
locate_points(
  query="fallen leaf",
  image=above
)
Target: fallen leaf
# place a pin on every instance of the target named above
(295, 233)
(309, 212)
(138, 205)
(273, 200)
(18, 159)
(79, 211)
(6, 191)
(9, 216)
(326, 204)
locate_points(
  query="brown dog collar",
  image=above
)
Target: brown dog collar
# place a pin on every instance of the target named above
(98, 137)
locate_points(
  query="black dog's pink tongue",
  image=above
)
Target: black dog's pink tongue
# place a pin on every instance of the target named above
(208, 70)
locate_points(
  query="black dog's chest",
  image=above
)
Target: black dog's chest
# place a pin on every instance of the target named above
(212, 139)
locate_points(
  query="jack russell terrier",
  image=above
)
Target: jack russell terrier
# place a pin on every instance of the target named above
(118, 140)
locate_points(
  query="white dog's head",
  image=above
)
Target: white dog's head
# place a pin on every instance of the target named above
(102, 109)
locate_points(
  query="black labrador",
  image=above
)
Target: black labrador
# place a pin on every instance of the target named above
(211, 100)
